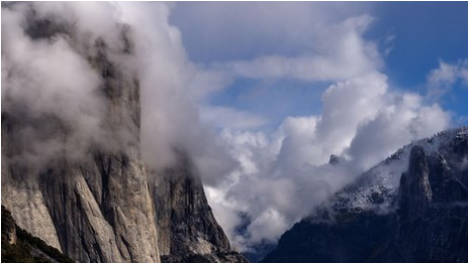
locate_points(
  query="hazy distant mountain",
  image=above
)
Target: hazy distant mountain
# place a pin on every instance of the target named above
(412, 207)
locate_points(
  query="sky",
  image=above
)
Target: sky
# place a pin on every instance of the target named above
(417, 37)
(259, 94)
(281, 60)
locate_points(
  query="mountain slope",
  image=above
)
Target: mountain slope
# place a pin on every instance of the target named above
(413, 207)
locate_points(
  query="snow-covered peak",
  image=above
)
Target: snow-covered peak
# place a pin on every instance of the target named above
(376, 189)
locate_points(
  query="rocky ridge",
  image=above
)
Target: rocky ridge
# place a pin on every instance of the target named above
(412, 207)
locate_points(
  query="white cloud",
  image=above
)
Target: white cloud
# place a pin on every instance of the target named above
(441, 80)
(283, 175)
(227, 31)
(346, 105)
(224, 117)
(388, 43)
(402, 119)
(339, 53)
(44, 78)
(207, 83)
(445, 74)
(54, 77)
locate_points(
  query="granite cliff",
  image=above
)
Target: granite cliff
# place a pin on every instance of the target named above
(98, 203)
(186, 225)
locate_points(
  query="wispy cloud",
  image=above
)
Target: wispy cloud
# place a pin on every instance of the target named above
(224, 117)
(441, 80)
(339, 53)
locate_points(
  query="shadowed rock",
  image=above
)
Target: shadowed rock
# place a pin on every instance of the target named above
(415, 192)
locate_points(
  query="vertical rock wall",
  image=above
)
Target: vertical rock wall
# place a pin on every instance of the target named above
(96, 208)
(101, 205)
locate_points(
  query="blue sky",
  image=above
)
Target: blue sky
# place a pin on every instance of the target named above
(426, 32)
(288, 84)
(418, 36)
(274, 100)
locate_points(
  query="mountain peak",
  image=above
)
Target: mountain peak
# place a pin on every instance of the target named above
(409, 208)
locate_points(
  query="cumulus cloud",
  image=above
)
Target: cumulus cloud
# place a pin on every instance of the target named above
(284, 174)
(402, 119)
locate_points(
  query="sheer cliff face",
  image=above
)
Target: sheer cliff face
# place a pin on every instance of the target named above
(186, 225)
(182, 211)
(423, 219)
(415, 192)
(72, 170)
(95, 208)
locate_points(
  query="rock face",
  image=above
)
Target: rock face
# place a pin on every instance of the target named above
(422, 218)
(8, 228)
(101, 206)
(186, 225)
(415, 192)
(96, 208)
(20, 246)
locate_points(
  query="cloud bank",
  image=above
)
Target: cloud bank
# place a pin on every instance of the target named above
(51, 76)
(284, 174)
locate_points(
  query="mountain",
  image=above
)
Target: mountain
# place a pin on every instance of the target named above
(101, 205)
(412, 207)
